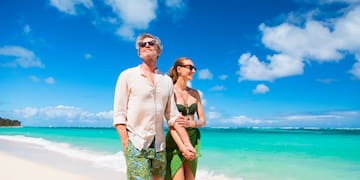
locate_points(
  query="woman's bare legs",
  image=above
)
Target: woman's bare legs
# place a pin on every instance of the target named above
(184, 172)
(187, 169)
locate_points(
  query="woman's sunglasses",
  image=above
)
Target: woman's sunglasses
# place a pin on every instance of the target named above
(190, 67)
(150, 43)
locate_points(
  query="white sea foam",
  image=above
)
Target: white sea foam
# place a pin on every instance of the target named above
(206, 175)
(112, 161)
(115, 162)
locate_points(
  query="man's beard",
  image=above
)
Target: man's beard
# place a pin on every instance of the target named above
(148, 55)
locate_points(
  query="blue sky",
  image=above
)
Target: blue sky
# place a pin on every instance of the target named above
(260, 63)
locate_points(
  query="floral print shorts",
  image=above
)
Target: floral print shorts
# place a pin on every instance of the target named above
(143, 164)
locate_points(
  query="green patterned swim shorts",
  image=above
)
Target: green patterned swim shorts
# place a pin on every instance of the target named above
(144, 164)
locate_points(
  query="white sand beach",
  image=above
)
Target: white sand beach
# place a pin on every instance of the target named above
(13, 167)
(20, 161)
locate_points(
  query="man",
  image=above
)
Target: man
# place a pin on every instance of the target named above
(143, 97)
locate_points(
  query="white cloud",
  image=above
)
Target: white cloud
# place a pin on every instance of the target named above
(23, 57)
(62, 112)
(341, 119)
(321, 41)
(355, 70)
(34, 79)
(331, 115)
(50, 80)
(261, 89)
(203, 100)
(27, 29)
(126, 31)
(251, 68)
(87, 56)
(243, 120)
(129, 15)
(218, 88)
(223, 77)
(312, 117)
(314, 41)
(213, 115)
(178, 4)
(69, 6)
(326, 81)
(135, 15)
(329, 1)
(205, 74)
(105, 115)
(338, 119)
(111, 20)
(176, 7)
(346, 114)
(26, 112)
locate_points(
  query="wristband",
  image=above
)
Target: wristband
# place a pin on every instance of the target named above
(198, 124)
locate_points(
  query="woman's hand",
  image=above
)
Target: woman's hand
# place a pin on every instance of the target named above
(188, 151)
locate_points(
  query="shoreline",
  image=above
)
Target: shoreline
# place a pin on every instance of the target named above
(24, 161)
(11, 126)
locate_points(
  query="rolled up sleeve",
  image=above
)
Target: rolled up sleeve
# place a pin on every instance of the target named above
(171, 111)
(120, 100)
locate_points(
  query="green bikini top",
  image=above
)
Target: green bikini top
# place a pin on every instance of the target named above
(192, 109)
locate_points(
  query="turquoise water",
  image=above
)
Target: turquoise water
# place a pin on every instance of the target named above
(230, 153)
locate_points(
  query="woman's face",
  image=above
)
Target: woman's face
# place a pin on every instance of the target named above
(186, 70)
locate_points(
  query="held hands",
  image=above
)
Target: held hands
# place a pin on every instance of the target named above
(188, 152)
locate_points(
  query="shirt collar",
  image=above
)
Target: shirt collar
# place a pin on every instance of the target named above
(157, 71)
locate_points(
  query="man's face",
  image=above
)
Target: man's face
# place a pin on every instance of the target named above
(148, 49)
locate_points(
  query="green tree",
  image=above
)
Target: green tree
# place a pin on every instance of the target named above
(9, 122)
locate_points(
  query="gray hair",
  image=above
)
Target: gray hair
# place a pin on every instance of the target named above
(145, 35)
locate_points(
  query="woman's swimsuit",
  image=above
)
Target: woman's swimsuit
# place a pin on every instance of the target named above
(174, 157)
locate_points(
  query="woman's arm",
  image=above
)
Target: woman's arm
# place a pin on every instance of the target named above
(182, 140)
(201, 122)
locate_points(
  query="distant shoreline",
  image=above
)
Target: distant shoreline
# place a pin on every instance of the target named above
(206, 128)
(11, 126)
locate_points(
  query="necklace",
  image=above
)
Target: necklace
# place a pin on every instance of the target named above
(186, 103)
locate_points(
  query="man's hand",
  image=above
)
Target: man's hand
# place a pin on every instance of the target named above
(184, 122)
(124, 144)
(121, 129)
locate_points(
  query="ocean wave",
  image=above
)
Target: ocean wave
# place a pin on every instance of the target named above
(115, 162)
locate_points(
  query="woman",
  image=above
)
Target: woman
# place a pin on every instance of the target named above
(188, 103)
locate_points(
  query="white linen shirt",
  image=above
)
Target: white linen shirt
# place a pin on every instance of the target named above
(142, 106)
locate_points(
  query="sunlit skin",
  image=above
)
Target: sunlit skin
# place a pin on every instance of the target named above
(186, 96)
(149, 55)
(149, 52)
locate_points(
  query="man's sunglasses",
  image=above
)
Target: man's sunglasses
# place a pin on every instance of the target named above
(150, 43)
(190, 67)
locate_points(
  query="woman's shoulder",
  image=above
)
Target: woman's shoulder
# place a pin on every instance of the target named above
(193, 91)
